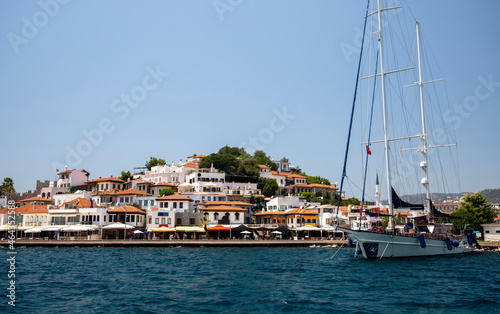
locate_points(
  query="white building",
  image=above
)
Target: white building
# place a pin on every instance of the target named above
(60, 199)
(67, 179)
(491, 231)
(164, 214)
(204, 185)
(283, 203)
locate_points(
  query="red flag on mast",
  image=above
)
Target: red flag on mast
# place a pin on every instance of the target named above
(368, 150)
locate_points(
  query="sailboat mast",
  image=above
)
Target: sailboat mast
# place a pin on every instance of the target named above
(384, 108)
(425, 166)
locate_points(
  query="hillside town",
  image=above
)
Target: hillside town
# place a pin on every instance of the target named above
(187, 201)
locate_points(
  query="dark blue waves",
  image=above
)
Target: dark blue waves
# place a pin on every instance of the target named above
(248, 280)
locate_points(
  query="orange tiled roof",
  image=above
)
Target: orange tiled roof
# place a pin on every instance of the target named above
(165, 184)
(318, 185)
(223, 208)
(189, 165)
(276, 173)
(174, 197)
(127, 209)
(80, 203)
(301, 211)
(270, 213)
(67, 171)
(30, 209)
(35, 199)
(294, 175)
(263, 167)
(110, 179)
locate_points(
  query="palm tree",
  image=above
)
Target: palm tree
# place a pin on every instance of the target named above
(7, 186)
(204, 221)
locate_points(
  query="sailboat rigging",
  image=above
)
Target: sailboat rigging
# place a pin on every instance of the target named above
(413, 240)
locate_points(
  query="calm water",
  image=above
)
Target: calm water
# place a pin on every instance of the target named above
(304, 280)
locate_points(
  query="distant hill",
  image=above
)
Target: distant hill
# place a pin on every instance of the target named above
(492, 196)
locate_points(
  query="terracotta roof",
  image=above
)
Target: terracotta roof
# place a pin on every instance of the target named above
(189, 165)
(223, 208)
(67, 171)
(301, 211)
(270, 213)
(29, 209)
(165, 184)
(174, 197)
(294, 175)
(278, 173)
(127, 209)
(318, 185)
(263, 167)
(80, 203)
(33, 199)
(110, 179)
(301, 186)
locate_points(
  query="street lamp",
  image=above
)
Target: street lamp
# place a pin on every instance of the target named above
(124, 223)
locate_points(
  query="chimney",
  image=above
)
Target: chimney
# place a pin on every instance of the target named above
(66, 168)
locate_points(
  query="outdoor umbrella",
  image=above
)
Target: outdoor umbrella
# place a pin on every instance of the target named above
(219, 228)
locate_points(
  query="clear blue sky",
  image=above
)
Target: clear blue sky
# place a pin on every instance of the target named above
(230, 70)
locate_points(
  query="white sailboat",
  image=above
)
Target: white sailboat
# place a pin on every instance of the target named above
(410, 242)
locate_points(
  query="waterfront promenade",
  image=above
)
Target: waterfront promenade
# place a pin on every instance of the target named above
(172, 243)
(192, 243)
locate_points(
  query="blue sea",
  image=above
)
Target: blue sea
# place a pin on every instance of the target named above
(247, 280)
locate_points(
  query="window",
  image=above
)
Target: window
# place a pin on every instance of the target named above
(126, 199)
(169, 221)
(150, 219)
(216, 216)
(163, 221)
(237, 216)
(178, 221)
(106, 186)
(121, 199)
(133, 218)
(161, 204)
(140, 203)
(191, 221)
(127, 218)
(166, 204)
(104, 218)
(157, 220)
(153, 203)
(181, 204)
(97, 218)
(175, 204)
(114, 186)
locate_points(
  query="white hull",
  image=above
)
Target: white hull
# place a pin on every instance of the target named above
(378, 245)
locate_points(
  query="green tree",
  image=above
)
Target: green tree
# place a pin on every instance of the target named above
(270, 187)
(124, 175)
(474, 211)
(153, 161)
(166, 192)
(350, 201)
(249, 167)
(73, 189)
(261, 159)
(235, 151)
(284, 159)
(315, 179)
(225, 162)
(7, 186)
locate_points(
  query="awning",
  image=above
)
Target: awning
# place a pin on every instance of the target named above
(54, 228)
(163, 229)
(118, 226)
(189, 229)
(219, 228)
(33, 230)
(7, 227)
(77, 228)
